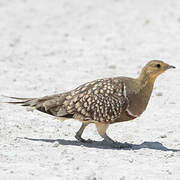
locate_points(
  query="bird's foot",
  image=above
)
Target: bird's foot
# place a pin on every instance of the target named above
(121, 145)
(83, 140)
(116, 144)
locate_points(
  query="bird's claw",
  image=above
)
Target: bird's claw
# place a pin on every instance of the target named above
(116, 144)
(121, 145)
(83, 140)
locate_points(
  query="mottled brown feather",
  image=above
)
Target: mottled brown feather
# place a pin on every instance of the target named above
(101, 100)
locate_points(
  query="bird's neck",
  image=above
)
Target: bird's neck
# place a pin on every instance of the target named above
(145, 79)
(146, 84)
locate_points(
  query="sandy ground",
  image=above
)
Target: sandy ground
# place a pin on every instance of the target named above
(53, 46)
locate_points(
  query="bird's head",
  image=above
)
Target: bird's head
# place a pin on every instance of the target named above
(154, 68)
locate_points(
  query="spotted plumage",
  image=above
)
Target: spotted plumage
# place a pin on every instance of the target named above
(103, 101)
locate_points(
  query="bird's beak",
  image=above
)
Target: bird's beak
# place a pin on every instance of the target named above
(167, 66)
(171, 67)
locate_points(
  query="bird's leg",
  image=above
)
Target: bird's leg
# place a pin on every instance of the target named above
(80, 131)
(101, 128)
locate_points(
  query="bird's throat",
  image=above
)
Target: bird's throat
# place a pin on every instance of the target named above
(146, 85)
(146, 80)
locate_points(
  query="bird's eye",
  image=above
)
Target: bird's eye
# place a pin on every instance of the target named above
(158, 65)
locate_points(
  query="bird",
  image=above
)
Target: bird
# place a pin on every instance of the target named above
(102, 102)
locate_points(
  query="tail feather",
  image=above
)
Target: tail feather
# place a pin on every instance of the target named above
(17, 102)
(48, 104)
(22, 101)
(17, 98)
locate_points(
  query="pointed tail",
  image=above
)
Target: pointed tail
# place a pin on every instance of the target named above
(21, 101)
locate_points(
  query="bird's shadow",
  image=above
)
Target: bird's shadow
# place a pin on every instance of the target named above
(103, 145)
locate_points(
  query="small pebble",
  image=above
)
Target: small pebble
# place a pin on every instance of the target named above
(169, 172)
(56, 164)
(147, 21)
(170, 131)
(112, 67)
(163, 136)
(64, 152)
(56, 144)
(169, 155)
(131, 160)
(77, 168)
(91, 177)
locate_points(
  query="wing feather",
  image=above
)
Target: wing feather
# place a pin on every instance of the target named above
(100, 100)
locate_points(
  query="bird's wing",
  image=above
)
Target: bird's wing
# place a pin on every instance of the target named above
(101, 100)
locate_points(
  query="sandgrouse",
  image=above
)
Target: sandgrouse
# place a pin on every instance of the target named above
(103, 101)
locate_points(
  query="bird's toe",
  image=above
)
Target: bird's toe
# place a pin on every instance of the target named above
(83, 140)
(120, 145)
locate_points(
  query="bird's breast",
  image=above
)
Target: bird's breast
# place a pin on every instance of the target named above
(138, 103)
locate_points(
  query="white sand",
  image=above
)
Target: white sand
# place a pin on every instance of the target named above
(50, 46)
